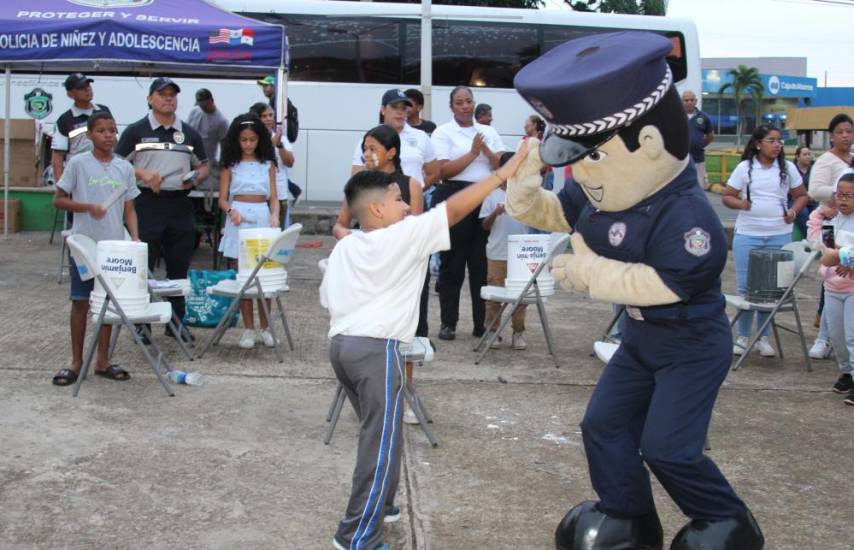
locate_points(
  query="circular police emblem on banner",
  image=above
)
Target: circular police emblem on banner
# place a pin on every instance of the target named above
(774, 85)
(178, 137)
(112, 3)
(37, 103)
(617, 233)
(697, 242)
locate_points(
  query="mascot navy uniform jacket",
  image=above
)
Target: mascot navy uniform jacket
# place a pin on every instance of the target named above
(686, 346)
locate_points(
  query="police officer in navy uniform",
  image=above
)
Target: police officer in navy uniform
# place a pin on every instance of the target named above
(69, 136)
(701, 132)
(645, 236)
(168, 157)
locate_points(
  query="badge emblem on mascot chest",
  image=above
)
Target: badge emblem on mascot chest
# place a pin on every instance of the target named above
(697, 242)
(617, 233)
(178, 137)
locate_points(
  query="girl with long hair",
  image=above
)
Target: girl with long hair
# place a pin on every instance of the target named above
(758, 189)
(247, 195)
(284, 160)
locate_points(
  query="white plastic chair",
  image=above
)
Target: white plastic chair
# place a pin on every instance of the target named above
(530, 294)
(281, 250)
(419, 351)
(84, 251)
(804, 255)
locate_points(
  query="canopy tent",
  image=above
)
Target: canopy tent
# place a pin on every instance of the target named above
(135, 36)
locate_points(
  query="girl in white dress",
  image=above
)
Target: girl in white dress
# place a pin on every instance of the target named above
(247, 195)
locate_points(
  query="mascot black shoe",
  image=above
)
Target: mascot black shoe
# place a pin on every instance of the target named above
(584, 527)
(738, 533)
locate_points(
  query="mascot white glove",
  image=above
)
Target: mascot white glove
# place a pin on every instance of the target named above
(609, 280)
(527, 201)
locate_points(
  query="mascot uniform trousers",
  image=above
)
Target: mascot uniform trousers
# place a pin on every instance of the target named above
(653, 404)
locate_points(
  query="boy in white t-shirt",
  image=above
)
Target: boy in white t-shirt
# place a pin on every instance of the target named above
(500, 226)
(371, 288)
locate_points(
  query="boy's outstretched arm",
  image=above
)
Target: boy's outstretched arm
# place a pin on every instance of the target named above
(461, 203)
(131, 220)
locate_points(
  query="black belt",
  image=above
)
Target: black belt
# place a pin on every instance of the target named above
(684, 311)
(178, 193)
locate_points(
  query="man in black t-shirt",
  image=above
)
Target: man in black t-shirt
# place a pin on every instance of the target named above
(69, 136)
(413, 115)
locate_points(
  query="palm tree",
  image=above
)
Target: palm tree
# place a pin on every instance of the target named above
(744, 82)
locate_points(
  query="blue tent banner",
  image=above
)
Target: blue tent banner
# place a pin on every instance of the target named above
(185, 32)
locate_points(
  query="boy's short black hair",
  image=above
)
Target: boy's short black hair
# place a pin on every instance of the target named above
(415, 95)
(361, 184)
(846, 178)
(482, 109)
(100, 115)
(505, 156)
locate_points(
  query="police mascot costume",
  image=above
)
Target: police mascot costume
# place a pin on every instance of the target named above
(645, 236)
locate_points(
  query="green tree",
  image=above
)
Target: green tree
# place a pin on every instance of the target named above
(745, 83)
(634, 7)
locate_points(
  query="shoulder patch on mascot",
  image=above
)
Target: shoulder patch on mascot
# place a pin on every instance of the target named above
(617, 233)
(698, 242)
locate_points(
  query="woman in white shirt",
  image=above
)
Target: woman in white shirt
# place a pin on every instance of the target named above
(829, 166)
(467, 152)
(417, 156)
(758, 188)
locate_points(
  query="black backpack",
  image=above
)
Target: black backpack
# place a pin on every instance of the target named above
(293, 122)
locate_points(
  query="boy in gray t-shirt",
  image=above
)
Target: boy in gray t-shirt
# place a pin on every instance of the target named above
(103, 187)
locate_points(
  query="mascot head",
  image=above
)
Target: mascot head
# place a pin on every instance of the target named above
(622, 125)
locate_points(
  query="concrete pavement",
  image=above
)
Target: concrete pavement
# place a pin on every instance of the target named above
(239, 462)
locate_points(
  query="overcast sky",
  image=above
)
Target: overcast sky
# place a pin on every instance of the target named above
(820, 30)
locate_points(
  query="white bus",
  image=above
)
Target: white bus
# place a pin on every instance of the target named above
(344, 55)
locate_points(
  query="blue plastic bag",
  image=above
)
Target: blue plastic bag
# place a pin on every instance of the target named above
(202, 309)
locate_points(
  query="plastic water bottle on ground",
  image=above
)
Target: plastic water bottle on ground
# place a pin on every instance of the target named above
(189, 378)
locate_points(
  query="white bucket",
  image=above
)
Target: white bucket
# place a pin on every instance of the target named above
(253, 244)
(124, 266)
(525, 253)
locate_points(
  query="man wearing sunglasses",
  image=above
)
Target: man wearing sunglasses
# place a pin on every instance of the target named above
(644, 236)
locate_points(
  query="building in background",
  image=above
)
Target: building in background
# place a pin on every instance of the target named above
(786, 86)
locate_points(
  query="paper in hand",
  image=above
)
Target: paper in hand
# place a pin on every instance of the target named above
(118, 193)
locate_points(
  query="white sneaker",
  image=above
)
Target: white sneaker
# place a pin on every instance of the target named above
(247, 339)
(267, 337)
(409, 416)
(764, 347)
(496, 344)
(739, 346)
(820, 349)
(519, 342)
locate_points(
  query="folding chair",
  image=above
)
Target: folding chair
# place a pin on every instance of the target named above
(530, 294)
(180, 287)
(84, 251)
(280, 250)
(419, 351)
(804, 255)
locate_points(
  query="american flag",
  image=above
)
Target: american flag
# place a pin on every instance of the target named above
(233, 37)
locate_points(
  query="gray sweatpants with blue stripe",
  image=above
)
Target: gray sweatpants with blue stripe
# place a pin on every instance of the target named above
(371, 371)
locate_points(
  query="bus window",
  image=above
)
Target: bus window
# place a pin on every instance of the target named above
(341, 49)
(554, 36)
(473, 54)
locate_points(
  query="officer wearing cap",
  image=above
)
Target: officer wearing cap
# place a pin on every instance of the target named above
(69, 136)
(645, 236)
(210, 123)
(168, 157)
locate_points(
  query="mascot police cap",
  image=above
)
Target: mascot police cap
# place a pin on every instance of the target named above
(590, 87)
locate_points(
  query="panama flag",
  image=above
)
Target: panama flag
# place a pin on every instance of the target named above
(233, 37)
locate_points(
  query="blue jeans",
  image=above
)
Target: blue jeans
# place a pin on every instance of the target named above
(741, 247)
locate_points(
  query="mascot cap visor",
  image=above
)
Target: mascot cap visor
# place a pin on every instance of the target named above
(560, 151)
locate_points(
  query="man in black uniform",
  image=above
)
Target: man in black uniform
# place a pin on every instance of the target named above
(69, 136)
(168, 157)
